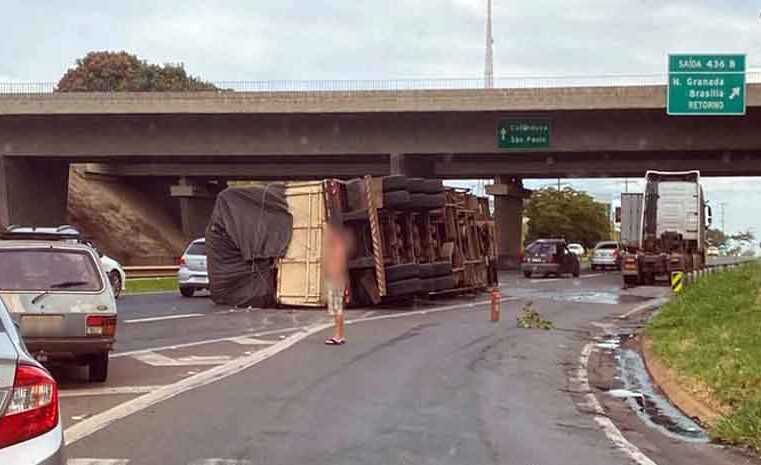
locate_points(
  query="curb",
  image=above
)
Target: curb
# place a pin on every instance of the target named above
(691, 404)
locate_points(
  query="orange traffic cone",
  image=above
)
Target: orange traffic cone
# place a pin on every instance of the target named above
(495, 302)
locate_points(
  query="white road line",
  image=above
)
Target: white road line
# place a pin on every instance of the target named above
(587, 276)
(97, 422)
(221, 462)
(546, 280)
(652, 303)
(251, 341)
(158, 360)
(97, 461)
(163, 318)
(107, 391)
(609, 428)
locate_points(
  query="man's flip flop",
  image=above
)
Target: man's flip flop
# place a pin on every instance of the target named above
(334, 342)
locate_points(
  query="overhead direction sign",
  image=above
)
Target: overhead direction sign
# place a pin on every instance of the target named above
(706, 85)
(523, 133)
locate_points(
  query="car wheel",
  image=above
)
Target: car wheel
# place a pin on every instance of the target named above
(98, 368)
(630, 281)
(116, 283)
(187, 291)
(526, 274)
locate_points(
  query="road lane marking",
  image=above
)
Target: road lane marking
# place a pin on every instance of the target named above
(97, 461)
(103, 419)
(163, 318)
(609, 428)
(106, 391)
(587, 276)
(158, 360)
(650, 304)
(251, 341)
(545, 280)
(221, 462)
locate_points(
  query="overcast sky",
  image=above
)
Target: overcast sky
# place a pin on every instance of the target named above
(361, 39)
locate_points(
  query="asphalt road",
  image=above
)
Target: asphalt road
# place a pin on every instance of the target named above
(434, 383)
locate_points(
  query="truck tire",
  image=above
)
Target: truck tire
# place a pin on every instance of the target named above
(526, 274)
(406, 287)
(630, 281)
(402, 272)
(396, 199)
(416, 185)
(433, 186)
(395, 182)
(98, 368)
(187, 291)
(432, 270)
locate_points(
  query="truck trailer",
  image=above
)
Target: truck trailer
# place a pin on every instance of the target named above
(666, 227)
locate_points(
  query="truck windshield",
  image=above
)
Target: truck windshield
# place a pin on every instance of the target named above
(48, 269)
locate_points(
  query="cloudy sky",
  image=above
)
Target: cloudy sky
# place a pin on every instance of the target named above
(361, 39)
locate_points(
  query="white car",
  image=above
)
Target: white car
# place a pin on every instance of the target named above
(577, 249)
(116, 275)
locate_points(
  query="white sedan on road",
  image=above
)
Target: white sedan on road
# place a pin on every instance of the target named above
(577, 249)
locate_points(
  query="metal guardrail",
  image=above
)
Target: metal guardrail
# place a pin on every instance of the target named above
(504, 82)
(150, 271)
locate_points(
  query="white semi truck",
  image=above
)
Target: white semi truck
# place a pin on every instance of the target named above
(670, 234)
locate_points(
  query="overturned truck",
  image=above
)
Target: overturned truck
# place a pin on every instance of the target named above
(411, 236)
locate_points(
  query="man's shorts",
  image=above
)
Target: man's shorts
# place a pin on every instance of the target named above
(335, 302)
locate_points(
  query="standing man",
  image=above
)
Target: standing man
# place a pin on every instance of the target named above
(336, 277)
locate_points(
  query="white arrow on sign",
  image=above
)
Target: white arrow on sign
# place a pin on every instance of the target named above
(503, 133)
(735, 93)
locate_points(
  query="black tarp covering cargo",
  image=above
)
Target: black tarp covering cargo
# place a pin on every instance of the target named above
(249, 229)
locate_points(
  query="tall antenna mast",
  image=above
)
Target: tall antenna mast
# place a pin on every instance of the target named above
(489, 70)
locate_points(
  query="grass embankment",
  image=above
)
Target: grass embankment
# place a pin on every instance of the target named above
(711, 336)
(140, 285)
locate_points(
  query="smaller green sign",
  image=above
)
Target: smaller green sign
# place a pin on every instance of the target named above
(523, 133)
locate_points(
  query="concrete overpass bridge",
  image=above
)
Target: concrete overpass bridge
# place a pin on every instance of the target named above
(183, 144)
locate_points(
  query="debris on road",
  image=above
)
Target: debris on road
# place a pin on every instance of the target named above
(531, 319)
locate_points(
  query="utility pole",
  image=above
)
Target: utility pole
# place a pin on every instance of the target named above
(558, 184)
(722, 205)
(489, 69)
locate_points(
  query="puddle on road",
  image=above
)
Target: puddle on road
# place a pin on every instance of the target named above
(640, 395)
(612, 297)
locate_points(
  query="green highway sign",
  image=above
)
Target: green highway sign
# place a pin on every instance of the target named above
(706, 85)
(523, 133)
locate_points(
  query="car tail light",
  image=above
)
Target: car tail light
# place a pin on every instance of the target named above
(98, 325)
(181, 261)
(33, 407)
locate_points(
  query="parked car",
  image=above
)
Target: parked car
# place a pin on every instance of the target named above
(713, 251)
(193, 275)
(550, 256)
(30, 421)
(578, 249)
(607, 254)
(56, 291)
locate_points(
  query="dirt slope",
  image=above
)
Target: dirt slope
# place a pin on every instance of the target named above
(123, 222)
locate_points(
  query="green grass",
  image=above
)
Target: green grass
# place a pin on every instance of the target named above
(138, 285)
(711, 335)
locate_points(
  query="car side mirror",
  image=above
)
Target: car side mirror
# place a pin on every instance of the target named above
(709, 221)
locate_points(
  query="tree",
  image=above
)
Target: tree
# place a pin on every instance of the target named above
(716, 237)
(124, 72)
(570, 214)
(746, 236)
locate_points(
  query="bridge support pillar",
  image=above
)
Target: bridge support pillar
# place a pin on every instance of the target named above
(197, 199)
(408, 165)
(33, 192)
(509, 195)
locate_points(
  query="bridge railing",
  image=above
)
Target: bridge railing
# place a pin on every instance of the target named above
(503, 82)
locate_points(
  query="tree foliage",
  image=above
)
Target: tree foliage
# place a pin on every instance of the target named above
(124, 72)
(716, 237)
(569, 214)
